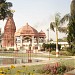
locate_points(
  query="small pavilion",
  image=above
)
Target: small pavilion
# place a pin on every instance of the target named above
(27, 36)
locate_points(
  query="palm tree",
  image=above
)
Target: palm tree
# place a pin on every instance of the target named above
(57, 25)
(5, 10)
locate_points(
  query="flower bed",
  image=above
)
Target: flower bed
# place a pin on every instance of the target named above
(54, 69)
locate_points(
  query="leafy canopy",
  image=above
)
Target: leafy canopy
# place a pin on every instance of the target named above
(5, 9)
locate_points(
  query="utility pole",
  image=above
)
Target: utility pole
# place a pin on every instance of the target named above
(48, 35)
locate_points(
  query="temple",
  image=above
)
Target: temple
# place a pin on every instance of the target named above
(9, 31)
(23, 38)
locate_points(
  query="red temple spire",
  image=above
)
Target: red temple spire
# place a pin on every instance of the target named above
(9, 31)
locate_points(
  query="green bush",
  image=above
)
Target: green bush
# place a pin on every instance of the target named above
(72, 51)
(11, 49)
(68, 53)
(4, 49)
(53, 52)
(64, 53)
(52, 46)
(61, 69)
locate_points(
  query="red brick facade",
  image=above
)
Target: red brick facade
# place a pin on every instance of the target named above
(9, 31)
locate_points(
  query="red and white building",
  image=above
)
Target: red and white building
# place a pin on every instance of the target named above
(23, 38)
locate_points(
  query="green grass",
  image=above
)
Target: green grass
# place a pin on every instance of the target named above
(32, 55)
(68, 62)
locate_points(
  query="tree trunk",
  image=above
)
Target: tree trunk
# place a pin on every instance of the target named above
(57, 51)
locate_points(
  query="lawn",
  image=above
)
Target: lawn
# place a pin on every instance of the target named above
(32, 55)
(68, 62)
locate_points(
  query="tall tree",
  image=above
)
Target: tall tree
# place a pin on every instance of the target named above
(72, 8)
(57, 24)
(71, 26)
(5, 10)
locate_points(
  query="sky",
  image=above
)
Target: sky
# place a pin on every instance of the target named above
(38, 14)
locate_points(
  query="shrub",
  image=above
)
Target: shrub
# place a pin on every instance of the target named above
(11, 49)
(68, 53)
(47, 68)
(65, 53)
(61, 69)
(72, 51)
(52, 46)
(4, 49)
(53, 52)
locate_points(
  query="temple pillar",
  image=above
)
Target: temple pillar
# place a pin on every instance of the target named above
(38, 43)
(32, 43)
(15, 43)
(21, 41)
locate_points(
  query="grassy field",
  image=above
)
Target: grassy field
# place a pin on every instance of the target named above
(69, 62)
(32, 55)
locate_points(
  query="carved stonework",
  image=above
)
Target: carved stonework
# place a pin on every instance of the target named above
(9, 31)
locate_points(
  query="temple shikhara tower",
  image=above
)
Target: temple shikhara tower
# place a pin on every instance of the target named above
(9, 31)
